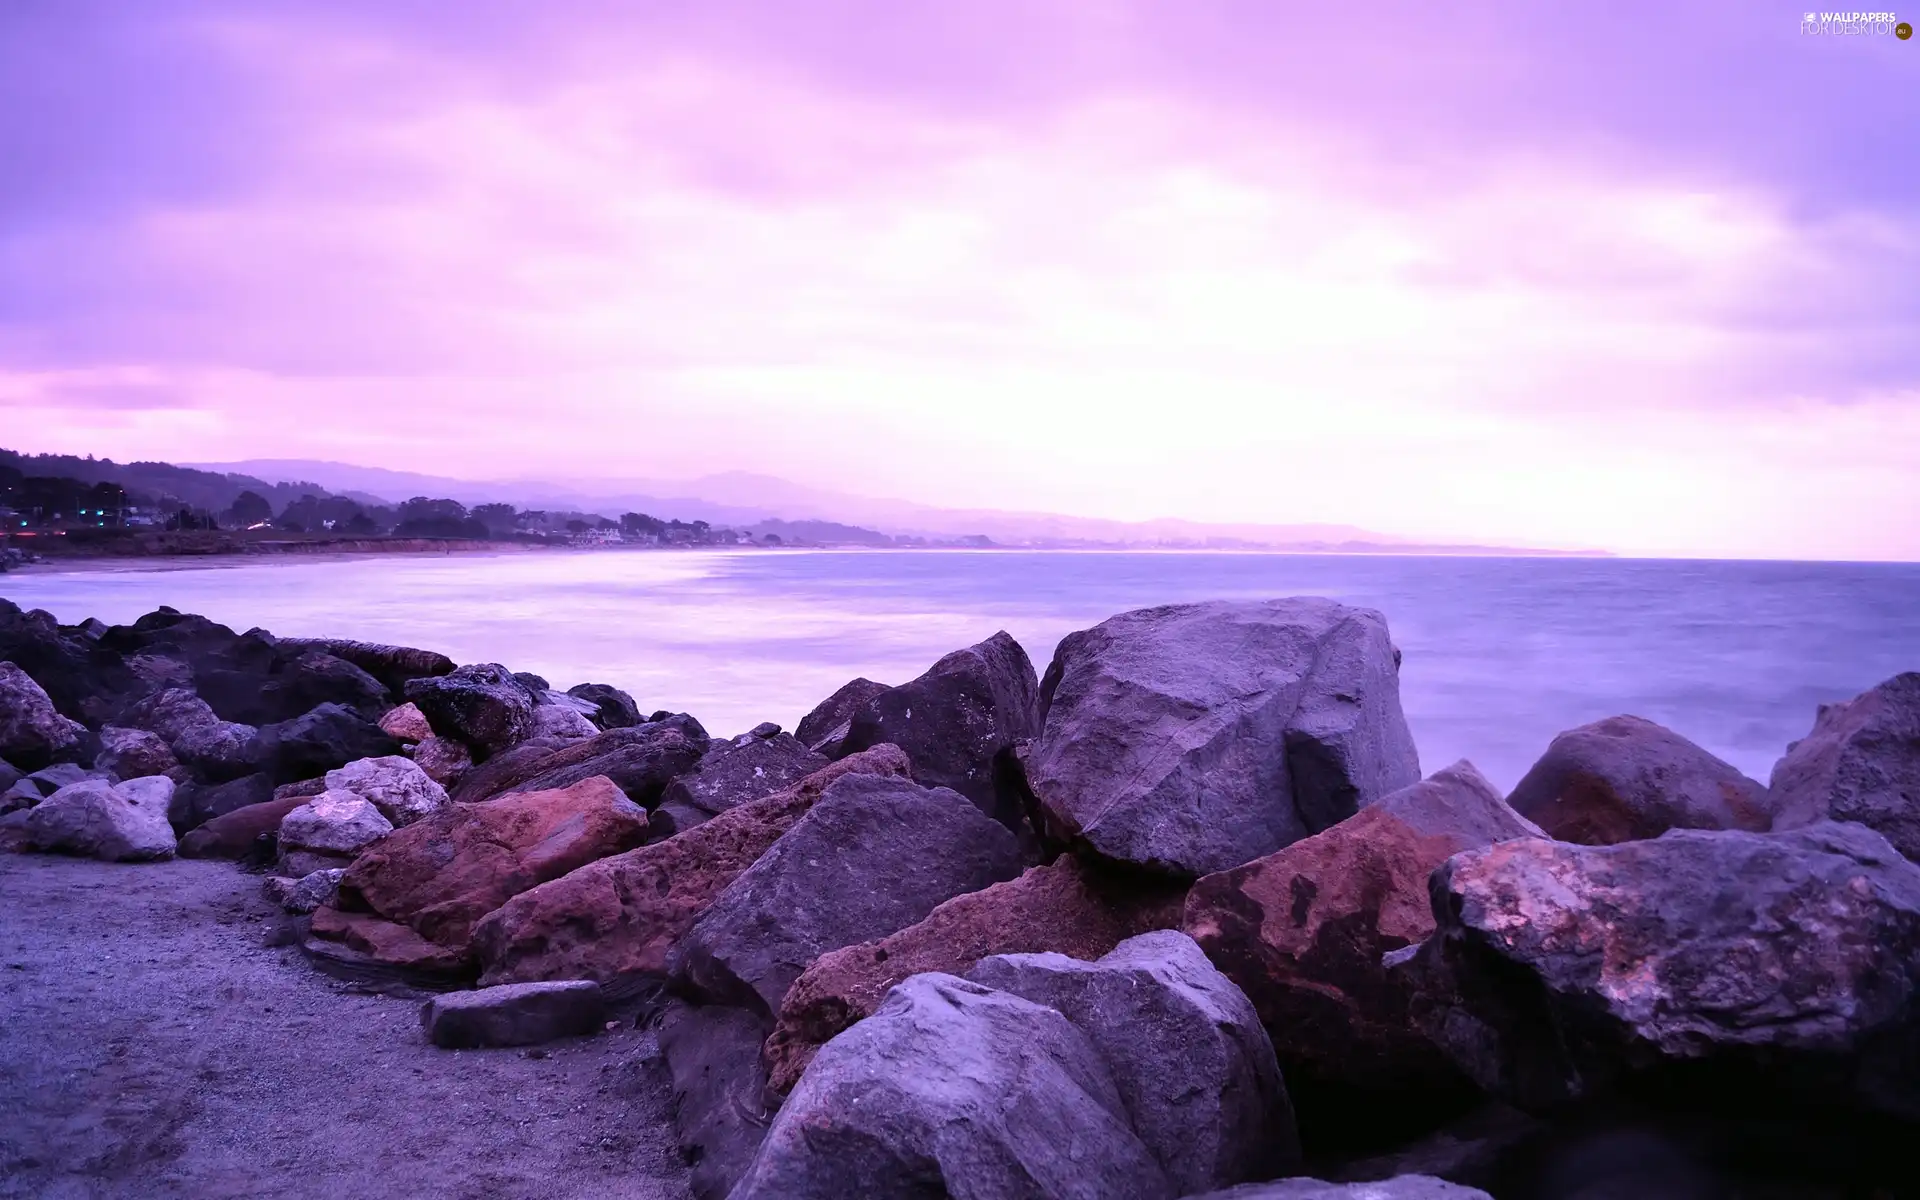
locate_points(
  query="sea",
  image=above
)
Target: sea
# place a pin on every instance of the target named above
(1500, 654)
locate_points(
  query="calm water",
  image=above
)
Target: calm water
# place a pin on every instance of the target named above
(1500, 653)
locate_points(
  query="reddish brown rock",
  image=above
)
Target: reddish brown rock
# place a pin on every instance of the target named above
(617, 918)
(407, 724)
(1303, 930)
(1063, 907)
(237, 834)
(447, 870)
(375, 940)
(1626, 779)
(445, 761)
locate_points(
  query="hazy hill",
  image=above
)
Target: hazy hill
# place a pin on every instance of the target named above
(743, 499)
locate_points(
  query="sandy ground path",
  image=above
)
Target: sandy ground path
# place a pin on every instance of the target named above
(151, 1044)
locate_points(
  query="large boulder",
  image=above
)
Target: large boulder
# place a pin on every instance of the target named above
(614, 709)
(958, 723)
(1193, 738)
(85, 681)
(213, 749)
(123, 822)
(395, 785)
(874, 854)
(731, 774)
(1063, 906)
(642, 760)
(312, 744)
(718, 1100)
(237, 834)
(365, 946)
(1626, 778)
(562, 722)
(482, 705)
(1194, 1069)
(194, 804)
(170, 713)
(33, 734)
(955, 1089)
(284, 687)
(1861, 763)
(131, 753)
(1302, 931)
(518, 1014)
(825, 728)
(329, 830)
(1723, 966)
(448, 869)
(616, 920)
(393, 666)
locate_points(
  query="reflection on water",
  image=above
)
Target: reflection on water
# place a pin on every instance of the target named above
(1500, 653)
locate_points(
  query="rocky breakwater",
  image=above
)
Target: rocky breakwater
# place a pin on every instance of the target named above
(1178, 918)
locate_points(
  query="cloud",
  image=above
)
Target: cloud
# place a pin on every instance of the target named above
(1449, 278)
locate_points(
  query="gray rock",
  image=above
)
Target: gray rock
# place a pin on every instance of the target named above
(1195, 1070)
(51, 779)
(560, 721)
(334, 823)
(482, 705)
(825, 728)
(124, 822)
(169, 712)
(194, 804)
(514, 1014)
(219, 751)
(720, 1102)
(393, 666)
(32, 732)
(9, 775)
(1742, 962)
(131, 753)
(1405, 1187)
(318, 741)
(873, 855)
(393, 784)
(1627, 779)
(958, 724)
(731, 774)
(1196, 737)
(303, 895)
(21, 796)
(615, 709)
(1861, 763)
(953, 1089)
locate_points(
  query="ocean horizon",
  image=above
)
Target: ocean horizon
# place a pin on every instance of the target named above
(1501, 653)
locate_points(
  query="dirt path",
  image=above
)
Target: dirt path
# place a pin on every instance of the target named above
(152, 1045)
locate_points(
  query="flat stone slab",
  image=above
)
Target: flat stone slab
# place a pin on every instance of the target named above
(514, 1014)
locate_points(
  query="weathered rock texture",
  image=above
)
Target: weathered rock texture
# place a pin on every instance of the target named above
(1196, 737)
(1861, 763)
(1063, 907)
(131, 753)
(238, 834)
(519, 1014)
(641, 760)
(720, 1110)
(1194, 1069)
(955, 1089)
(406, 723)
(124, 822)
(616, 919)
(825, 728)
(482, 705)
(958, 723)
(872, 855)
(1303, 930)
(1734, 963)
(734, 773)
(1625, 779)
(395, 785)
(449, 869)
(337, 825)
(32, 732)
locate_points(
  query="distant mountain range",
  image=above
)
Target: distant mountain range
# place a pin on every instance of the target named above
(743, 500)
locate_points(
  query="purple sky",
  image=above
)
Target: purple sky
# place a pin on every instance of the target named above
(1636, 276)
